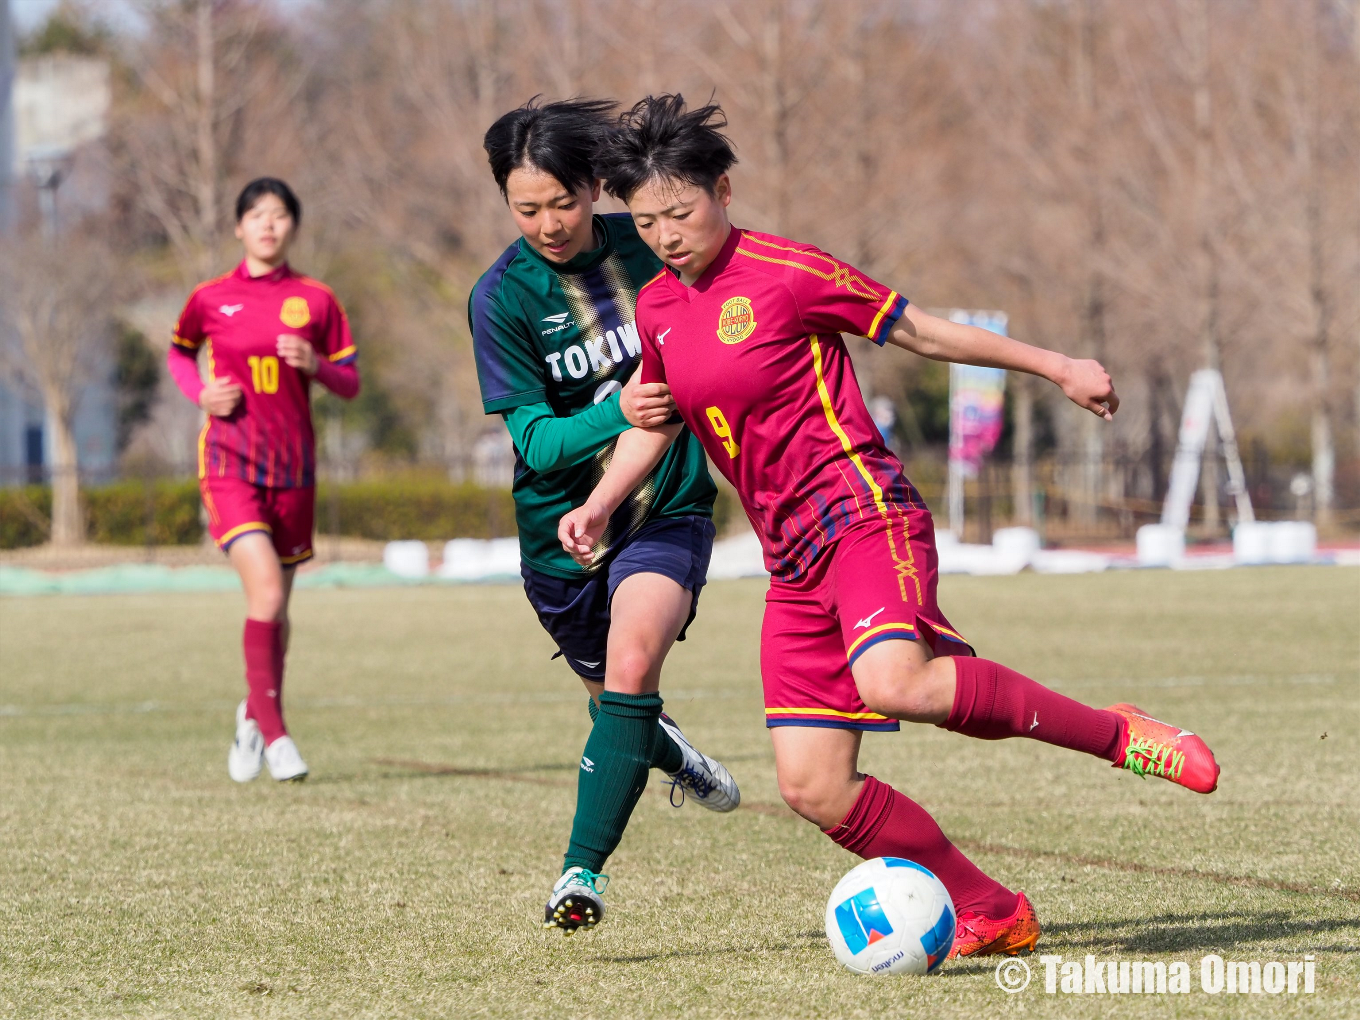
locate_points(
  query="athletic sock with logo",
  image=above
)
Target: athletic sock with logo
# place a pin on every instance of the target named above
(992, 702)
(666, 753)
(263, 645)
(885, 823)
(613, 775)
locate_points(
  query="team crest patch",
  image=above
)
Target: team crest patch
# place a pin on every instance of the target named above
(295, 312)
(736, 321)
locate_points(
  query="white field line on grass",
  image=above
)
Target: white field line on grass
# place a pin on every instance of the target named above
(546, 697)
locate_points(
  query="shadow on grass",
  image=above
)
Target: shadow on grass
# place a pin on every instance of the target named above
(1169, 933)
(797, 942)
(518, 774)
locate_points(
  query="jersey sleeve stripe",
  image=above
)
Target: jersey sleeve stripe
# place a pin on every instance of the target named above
(890, 303)
(188, 345)
(346, 353)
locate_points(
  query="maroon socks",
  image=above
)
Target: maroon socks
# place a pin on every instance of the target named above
(992, 702)
(884, 823)
(263, 643)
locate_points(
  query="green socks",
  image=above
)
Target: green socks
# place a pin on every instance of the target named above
(666, 754)
(613, 774)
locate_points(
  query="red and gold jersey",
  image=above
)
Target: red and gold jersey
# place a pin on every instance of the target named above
(754, 357)
(268, 439)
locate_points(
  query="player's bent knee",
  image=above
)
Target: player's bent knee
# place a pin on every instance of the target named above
(820, 802)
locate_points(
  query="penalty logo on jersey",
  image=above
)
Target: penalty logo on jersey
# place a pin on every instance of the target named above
(736, 321)
(295, 313)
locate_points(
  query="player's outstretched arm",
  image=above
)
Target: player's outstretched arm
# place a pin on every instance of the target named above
(635, 454)
(1085, 381)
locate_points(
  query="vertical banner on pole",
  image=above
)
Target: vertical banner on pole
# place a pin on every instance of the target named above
(977, 404)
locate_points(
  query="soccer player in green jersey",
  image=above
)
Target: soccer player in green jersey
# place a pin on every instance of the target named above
(557, 355)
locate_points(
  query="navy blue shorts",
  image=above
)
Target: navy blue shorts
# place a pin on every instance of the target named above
(575, 613)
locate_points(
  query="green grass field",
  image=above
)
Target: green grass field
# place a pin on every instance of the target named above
(406, 877)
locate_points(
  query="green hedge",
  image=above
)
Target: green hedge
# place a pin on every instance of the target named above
(125, 513)
(24, 516)
(430, 509)
(138, 513)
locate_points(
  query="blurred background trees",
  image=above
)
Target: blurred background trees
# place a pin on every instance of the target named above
(1164, 185)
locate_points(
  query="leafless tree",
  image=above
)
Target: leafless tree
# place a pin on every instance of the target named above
(60, 296)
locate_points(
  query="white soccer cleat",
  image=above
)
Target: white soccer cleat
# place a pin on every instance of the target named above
(285, 764)
(701, 777)
(576, 901)
(246, 757)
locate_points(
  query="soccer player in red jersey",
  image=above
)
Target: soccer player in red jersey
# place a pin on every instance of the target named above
(268, 332)
(745, 328)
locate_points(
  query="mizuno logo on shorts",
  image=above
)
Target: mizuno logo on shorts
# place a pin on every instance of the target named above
(868, 620)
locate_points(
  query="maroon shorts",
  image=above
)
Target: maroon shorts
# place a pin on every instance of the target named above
(237, 507)
(875, 583)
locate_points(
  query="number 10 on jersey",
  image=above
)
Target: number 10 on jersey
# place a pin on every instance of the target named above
(264, 373)
(723, 431)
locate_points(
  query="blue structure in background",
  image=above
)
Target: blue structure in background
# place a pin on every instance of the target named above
(24, 434)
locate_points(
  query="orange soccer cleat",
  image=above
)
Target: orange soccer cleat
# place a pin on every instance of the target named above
(1155, 748)
(977, 935)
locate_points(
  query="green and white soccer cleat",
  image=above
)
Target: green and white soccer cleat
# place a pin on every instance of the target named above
(246, 757)
(284, 761)
(701, 777)
(576, 901)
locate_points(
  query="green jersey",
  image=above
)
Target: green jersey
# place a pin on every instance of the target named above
(563, 336)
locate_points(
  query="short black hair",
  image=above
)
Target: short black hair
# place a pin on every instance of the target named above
(261, 186)
(560, 139)
(660, 138)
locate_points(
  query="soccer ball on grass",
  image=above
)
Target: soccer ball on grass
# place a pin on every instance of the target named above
(890, 916)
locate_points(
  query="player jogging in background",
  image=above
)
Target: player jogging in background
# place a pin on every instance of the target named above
(268, 333)
(557, 355)
(745, 328)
